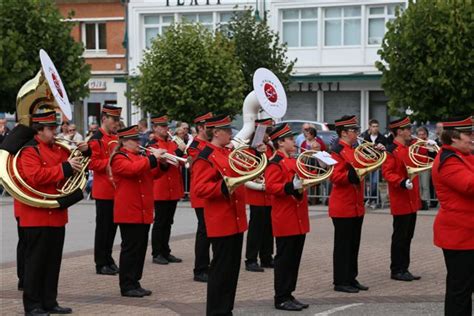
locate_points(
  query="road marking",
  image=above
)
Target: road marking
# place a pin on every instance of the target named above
(337, 309)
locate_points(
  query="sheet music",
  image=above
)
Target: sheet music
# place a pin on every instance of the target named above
(258, 136)
(325, 157)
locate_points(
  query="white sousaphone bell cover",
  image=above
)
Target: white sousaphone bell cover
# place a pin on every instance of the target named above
(270, 92)
(56, 84)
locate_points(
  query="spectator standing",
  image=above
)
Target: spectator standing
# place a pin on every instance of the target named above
(301, 137)
(425, 176)
(144, 132)
(374, 136)
(3, 129)
(312, 141)
(73, 134)
(64, 130)
(94, 127)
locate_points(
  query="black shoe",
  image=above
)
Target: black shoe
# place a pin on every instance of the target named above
(253, 267)
(37, 312)
(201, 277)
(402, 276)
(60, 310)
(20, 286)
(414, 277)
(303, 305)
(289, 306)
(424, 206)
(105, 270)
(174, 259)
(133, 293)
(145, 291)
(346, 289)
(267, 264)
(433, 204)
(160, 260)
(114, 267)
(359, 286)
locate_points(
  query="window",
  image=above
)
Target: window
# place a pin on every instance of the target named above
(206, 19)
(94, 36)
(342, 26)
(156, 25)
(224, 19)
(300, 27)
(378, 18)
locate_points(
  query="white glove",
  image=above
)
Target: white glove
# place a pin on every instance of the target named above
(297, 183)
(409, 184)
(431, 142)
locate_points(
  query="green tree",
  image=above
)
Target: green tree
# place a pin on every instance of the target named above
(428, 52)
(25, 27)
(256, 46)
(189, 71)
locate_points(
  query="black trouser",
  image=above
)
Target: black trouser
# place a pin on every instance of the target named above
(287, 263)
(105, 230)
(132, 254)
(20, 254)
(201, 245)
(259, 235)
(459, 282)
(403, 231)
(224, 274)
(347, 231)
(44, 250)
(161, 232)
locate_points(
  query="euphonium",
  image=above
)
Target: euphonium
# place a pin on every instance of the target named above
(422, 161)
(369, 157)
(44, 92)
(309, 169)
(247, 165)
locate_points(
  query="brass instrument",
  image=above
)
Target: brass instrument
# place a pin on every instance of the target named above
(247, 165)
(45, 92)
(369, 157)
(178, 140)
(421, 161)
(310, 171)
(170, 158)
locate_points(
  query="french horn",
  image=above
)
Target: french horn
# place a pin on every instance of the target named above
(368, 158)
(44, 92)
(310, 170)
(421, 161)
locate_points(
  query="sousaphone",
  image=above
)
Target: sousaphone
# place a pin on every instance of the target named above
(45, 92)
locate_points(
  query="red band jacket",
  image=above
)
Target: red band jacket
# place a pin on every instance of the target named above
(194, 149)
(168, 187)
(453, 178)
(289, 208)
(259, 198)
(347, 195)
(133, 177)
(43, 167)
(402, 200)
(224, 213)
(102, 145)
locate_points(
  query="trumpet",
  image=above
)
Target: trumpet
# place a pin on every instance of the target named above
(178, 140)
(369, 157)
(170, 158)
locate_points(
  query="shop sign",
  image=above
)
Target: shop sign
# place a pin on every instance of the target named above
(315, 86)
(95, 84)
(191, 2)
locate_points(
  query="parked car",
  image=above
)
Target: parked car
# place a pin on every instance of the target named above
(297, 124)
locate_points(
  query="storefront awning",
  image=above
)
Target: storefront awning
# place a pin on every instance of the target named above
(335, 77)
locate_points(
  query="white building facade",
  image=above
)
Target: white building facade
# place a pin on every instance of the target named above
(335, 43)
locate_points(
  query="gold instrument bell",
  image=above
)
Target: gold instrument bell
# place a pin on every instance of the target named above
(45, 92)
(368, 158)
(418, 154)
(310, 170)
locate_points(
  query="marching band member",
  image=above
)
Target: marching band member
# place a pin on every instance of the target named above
(259, 235)
(290, 217)
(346, 208)
(404, 199)
(224, 215)
(133, 206)
(201, 245)
(453, 178)
(43, 164)
(167, 191)
(102, 144)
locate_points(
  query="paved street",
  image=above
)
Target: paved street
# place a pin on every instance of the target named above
(174, 292)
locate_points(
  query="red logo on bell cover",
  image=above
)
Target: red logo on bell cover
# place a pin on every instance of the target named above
(270, 92)
(57, 84)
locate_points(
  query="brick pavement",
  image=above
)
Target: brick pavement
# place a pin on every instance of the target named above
(174, 292)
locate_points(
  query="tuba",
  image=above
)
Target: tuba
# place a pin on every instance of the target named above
(421, 161)
(268, 96)
(368, 157)
(44, 92)
(309, 169)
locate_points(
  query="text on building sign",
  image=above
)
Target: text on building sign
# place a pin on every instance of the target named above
(192, 2)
